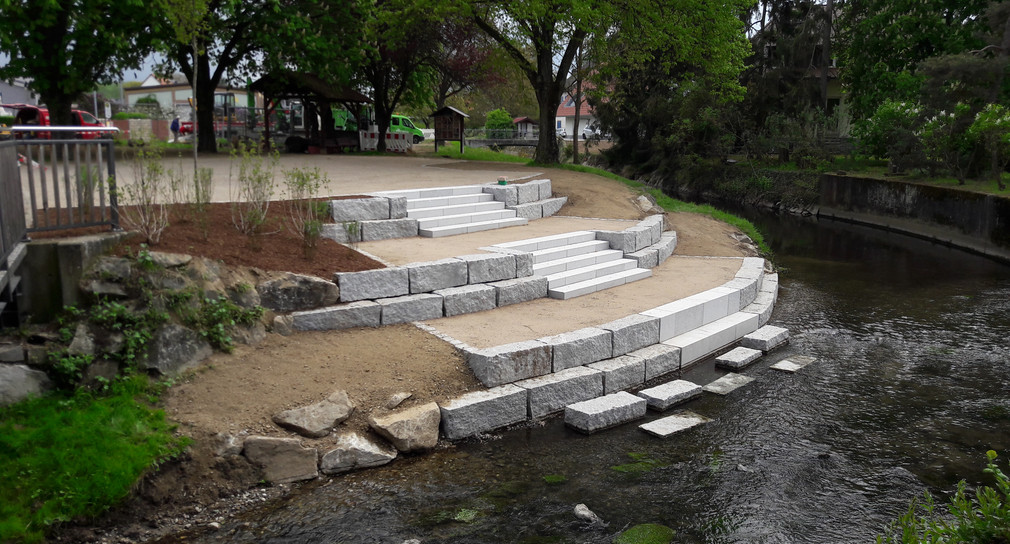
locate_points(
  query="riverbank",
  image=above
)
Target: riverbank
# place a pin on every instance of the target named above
(238, 394)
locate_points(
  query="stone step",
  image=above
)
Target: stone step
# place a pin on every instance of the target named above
(586, 287)
(464, 218)
(702, 341)
(566, 264)
(669, 394)
(452, 230)
(432, 192)
(588, 272)
(604, 412)
(727, 384)
(570, 250)
(449, 200)
(737, 358)
(548, 242)
(673, 424)
(470, 207)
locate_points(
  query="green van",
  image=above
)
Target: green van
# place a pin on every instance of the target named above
(401, 123)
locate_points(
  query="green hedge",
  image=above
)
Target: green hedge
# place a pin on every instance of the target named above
(130, 115)
(6, 120)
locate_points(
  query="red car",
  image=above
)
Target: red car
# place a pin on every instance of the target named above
(35, 115)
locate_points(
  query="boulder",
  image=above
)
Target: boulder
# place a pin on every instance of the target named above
(18, 382)
(170, 260)
(100, 371)
(101, 288)
(83, 342)
(228, 444)
(112, 268)
(283, 460)
(413, 429)
(249, 335)
(284, 325)
(317, 420)
(354, 451)
(174, 348)
(397, 399)
(295, 292)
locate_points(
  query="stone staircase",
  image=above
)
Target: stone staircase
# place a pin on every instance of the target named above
(577, 264)
(448, 211)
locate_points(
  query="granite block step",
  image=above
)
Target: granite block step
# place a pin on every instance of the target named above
(737, 358)
(548, 242)
(457, 209)
(669, 394)
(794, 363)
(599, 283)
(565, 264)
(604, 412)
(727, 384)
(452, 230)
(561, 279)
(432, 192)
(433, 202)
(766, 338)
(570, 250)
(464, 218)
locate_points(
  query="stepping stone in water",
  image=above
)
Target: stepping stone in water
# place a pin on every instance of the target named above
(664, 396)
(793, 363)
(728, 383)
(681, 421)
(766, 338)
(603, 412)
(738, 358)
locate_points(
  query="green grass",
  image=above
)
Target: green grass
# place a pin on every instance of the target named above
(673, 205)
(478, 154)
(69, 456)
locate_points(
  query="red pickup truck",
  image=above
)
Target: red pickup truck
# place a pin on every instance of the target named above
(35, 115)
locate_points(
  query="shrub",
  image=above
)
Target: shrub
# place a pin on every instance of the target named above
(498, 124)
(992, 127)
(142, 203)
(129, 115)
(946, 141)
(255, 187)
(149, 99)
(985, 517)
(890, 132)
(304, 211)
(6, 120)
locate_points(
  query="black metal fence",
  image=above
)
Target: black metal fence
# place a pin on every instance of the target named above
(50, 184)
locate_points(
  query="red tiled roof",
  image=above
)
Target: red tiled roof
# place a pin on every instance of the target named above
(518, 120)
(569, 111)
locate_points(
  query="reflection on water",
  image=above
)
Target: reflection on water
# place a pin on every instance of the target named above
(908, 392)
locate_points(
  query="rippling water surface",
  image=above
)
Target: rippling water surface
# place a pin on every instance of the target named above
(908, 392)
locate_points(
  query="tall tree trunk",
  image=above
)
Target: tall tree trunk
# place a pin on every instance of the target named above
(578, 108)
(192, 135)
(826, 54)
(206, 139)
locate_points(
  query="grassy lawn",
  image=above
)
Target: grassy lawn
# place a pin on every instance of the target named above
(73, 455)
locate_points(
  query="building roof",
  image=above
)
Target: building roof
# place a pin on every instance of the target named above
(567, 107)
(518, 120)
(447, 109)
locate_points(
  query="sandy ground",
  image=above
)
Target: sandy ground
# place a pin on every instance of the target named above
(238, 393)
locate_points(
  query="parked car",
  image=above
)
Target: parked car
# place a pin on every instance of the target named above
(35, 115)
(590, 131)
(402, 123)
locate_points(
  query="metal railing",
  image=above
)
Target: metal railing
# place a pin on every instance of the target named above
(59, 183)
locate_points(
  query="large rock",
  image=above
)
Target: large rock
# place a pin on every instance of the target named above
(283, 460)
(354, 451)
(112, 268)
(18, 382)
(174, 348)
(317, 420)
(482, 411)
(413, 429)
(296, 292)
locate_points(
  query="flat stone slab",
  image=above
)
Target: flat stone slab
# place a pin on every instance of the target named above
(674, 424)
(793, 363)
(604, 412)
(738, 358)
(510, 362)
(727, 384)
(663, 396)
(410, 308)
(355, 451)
(317, 420)
(482, 411)
(363, 313)
(766, 338)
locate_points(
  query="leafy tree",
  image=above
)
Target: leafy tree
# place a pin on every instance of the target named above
(65, 48)
(498, 124)
(884, 42)
(992, 128)
(463, 59)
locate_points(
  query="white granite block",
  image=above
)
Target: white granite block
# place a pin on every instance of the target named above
(509, 362)
(663, 396)
(623, 240)
(646, 258)
(633, 332)
(738, 358)
(621, 373)
(359, 209)
(604, 412)
(488, 267)
(766, 338)
(579, 347)
(553, 205)
(426, 277)
(520, 290)
(410, 308)
(530, 210)
(794, 363)
(527, 193)
(551, 393)
(659, 359)
(666, 245)
(397, 207)
(387, 229)
(509, 194)
(381, 283)
(364, 313)
(467, 299)
(483, 411)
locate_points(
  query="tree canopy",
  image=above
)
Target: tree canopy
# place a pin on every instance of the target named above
(64, 49)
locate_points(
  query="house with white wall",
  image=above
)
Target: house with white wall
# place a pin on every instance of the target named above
(565, 117)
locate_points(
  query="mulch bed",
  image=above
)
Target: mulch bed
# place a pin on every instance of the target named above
(277, 248)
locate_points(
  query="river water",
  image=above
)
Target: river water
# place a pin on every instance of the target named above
(907, 393)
